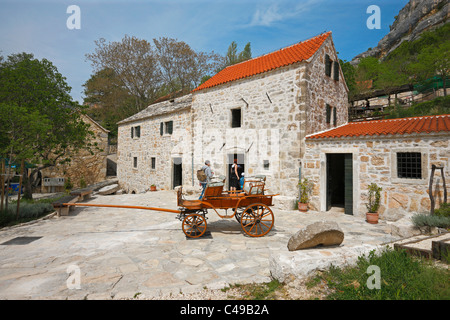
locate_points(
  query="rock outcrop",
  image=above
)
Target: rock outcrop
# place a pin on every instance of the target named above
(415, 18)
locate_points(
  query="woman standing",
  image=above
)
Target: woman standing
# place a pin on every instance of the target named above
(234, 176)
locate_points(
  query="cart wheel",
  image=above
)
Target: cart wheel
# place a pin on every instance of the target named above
(257, 220)
(194, 225)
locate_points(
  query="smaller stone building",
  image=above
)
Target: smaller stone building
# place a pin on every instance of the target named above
(395, 154)
(155, 147)
(85, 168)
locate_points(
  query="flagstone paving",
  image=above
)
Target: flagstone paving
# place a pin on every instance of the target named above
(120, 253)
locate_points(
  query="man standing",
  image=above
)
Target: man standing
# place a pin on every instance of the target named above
(207, 169)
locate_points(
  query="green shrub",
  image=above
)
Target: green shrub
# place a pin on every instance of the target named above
(27, 211)
(443, 211)
(427, 220)
(402, 277)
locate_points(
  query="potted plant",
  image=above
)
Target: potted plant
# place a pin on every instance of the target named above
(373, 204)
(305, 192)
(153, 187)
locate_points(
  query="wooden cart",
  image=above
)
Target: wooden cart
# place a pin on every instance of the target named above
(250, 207)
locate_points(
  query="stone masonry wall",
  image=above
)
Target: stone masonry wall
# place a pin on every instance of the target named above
(270, 126)
(150, 145)
(85, 168)
(374, 160)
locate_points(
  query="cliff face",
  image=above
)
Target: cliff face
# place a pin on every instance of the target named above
(416, 17)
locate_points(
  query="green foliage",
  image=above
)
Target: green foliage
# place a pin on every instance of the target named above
(427, 220)
(27, 211)
(443, 211)
(306, 187)
(411, 62)
(374, 198)
(403, 277)
(232, 57)
(39, 121)
(439, 105)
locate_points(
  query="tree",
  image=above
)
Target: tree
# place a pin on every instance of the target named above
(181, 67)
(108, 100)
(232, 57)
(39, 122)
(134, 64)
(431, 61)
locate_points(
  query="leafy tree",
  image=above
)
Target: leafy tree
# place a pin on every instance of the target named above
(133, 63)
(108, 100)
(39, 122)
(181, 67)
(233, 57)
(433, 60)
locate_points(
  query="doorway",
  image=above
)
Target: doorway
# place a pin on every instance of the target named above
(240, 161)
(177, 172)
(340, 181)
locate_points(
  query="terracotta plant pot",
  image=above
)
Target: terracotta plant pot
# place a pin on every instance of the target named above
(303, 207)
(372, 217)
(152, 188)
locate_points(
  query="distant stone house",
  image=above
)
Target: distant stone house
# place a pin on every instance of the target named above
(258, 112)
(84, 168)
(395, 154)
(154, 147)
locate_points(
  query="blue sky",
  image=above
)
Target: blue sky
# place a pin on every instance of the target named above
(39, 27)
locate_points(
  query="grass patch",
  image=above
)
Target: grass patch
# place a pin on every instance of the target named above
(263, 291)
(402, 277)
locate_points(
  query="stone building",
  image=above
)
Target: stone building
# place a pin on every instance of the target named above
(154, 147)
(85, 168)
(395, 154)
(258, 112)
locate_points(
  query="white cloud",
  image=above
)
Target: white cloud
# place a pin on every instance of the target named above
(272, 13)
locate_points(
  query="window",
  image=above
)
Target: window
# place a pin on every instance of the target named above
(266, 164)
(153, 163)
(334, 117)
(236, 118)
(336, 70)
(409, 165)
(328, 63)
(166, 127)
(136, 132)
(328, 111)
(134, 162)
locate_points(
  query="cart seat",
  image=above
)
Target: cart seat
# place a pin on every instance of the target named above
(253, 187)
(188, 204)
(213, 189)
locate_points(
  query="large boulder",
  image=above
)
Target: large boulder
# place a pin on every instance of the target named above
(326, 233)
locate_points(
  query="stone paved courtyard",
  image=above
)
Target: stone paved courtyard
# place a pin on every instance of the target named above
(122, 252)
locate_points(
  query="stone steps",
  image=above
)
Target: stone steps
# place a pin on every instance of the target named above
(430, 247)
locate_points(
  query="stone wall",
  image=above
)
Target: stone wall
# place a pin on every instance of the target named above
(279, 108)
(85, 168)
(151, 144)
(374, 160)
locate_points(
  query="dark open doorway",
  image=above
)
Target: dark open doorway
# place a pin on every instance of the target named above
(340, 181)
(240, 162)
(177, 172)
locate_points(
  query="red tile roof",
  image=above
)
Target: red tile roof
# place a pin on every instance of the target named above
(295, 53)
(414, 125)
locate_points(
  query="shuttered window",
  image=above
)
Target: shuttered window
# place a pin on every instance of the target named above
(336, 70)
(334, 116)
(328, 115)
(328, 63)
